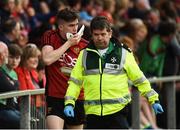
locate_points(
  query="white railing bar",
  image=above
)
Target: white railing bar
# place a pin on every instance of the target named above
(41, 91)
(21, 93)
(164, 79)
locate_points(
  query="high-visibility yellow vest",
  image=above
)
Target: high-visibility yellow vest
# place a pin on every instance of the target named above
(105, 80)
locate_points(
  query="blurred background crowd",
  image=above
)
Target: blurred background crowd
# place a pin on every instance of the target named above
(151, 28)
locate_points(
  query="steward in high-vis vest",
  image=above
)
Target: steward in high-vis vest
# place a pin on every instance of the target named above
(103, 70)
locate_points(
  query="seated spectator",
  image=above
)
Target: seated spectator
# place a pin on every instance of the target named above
(28, 75)
(9, 113)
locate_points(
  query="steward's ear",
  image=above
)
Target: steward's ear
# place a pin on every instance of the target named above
(110, 33)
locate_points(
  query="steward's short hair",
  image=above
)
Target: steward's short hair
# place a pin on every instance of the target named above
(100, 22)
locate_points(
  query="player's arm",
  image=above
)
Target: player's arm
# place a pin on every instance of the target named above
(50, 55)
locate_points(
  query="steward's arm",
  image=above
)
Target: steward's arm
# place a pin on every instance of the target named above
(75, 82)
(139, 80)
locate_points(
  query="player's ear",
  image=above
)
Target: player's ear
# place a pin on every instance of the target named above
(60, 27)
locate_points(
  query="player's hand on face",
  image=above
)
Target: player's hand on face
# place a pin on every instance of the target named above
(74, 40)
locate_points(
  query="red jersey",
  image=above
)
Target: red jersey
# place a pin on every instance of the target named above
(57, 82)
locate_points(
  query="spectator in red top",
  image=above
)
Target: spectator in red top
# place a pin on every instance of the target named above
(27, 74)
(58, 53)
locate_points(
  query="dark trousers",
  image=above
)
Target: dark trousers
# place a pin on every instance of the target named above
(114, 121)
(9, 119)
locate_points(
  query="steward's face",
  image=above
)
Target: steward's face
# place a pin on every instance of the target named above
(101, 38)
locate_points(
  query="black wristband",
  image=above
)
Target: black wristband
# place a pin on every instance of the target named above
(69, 104)
(157, 101)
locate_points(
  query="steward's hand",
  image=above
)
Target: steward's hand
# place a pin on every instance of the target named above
(157, 108)
(68, 111)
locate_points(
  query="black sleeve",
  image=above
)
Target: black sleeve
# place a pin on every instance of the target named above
(5, 83)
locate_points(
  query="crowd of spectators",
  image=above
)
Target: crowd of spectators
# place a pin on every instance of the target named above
(149, 27)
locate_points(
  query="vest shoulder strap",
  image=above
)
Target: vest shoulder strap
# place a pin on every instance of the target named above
(125, 47)
(120, 44)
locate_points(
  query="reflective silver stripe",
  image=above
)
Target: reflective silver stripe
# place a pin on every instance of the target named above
(91, 72)
(124, 99)
(84, 59)
(76, 81)
(100, 68)
(151, 93)
(115, 72)
(140, 80)
(69, 98)
(87, 49)
(123, 58)
(106, 71)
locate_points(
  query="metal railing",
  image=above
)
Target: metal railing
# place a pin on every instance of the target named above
(169, 88)
(31, 118)
(27, 115)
